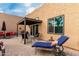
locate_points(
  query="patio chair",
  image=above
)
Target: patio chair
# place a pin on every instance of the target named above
(1, 34)
(10, 34)
(58, 49)
(2, 48)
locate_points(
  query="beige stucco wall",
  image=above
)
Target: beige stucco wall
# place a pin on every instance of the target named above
(10, 20)
(71, 21)
(22, 28)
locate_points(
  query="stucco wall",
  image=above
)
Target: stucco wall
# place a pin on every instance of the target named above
(22, 28)
(11, 22)
(71, 21)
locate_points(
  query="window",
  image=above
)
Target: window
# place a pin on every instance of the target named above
(56, 24)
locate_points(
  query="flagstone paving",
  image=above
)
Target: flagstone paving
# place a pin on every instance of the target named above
(15, 47)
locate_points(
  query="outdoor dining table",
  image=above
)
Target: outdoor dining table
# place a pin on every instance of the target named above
(32, 38)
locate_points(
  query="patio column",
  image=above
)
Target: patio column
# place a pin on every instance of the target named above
(17, 30)
(24, 31)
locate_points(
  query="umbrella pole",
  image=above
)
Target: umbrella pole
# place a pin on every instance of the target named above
(4, 34)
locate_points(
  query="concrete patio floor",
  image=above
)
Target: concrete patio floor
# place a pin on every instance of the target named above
(15, 47)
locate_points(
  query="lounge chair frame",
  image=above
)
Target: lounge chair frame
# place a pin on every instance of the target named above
(58, 50)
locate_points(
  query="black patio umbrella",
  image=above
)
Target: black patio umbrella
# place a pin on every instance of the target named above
(4, 28)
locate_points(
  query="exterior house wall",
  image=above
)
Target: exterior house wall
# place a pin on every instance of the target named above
(22, 28)
(11, 22)
(71, 21)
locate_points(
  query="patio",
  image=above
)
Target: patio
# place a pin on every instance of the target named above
(15, 47)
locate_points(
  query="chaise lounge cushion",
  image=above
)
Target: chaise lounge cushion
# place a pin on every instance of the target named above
(43, 44)
(61, 40)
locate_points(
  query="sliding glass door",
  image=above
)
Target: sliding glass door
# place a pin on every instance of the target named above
(34, 30)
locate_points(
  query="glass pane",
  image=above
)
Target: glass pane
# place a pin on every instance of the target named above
(59, 22)
(31, 30)
(37, 33)
(51, 25)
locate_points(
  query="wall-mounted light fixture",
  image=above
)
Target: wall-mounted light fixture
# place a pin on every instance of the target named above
(37, 18)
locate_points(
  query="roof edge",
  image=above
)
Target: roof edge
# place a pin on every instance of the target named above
(10, 15)
(35, 10)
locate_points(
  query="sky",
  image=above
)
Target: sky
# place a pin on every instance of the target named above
(18, 9)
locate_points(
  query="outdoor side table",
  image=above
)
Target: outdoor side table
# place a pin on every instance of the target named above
(32, 38)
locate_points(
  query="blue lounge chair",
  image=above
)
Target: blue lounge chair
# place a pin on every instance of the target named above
(58, 49)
